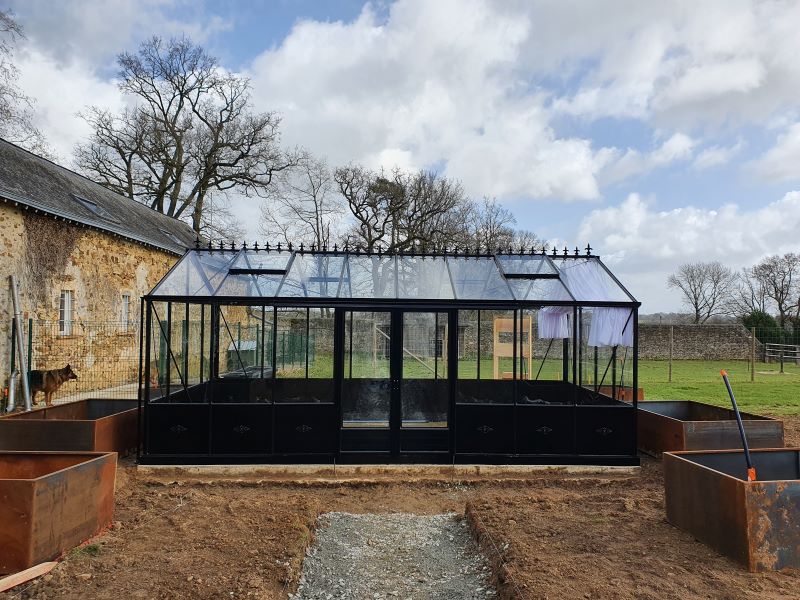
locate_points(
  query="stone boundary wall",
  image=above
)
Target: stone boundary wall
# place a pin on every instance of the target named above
(697, 342)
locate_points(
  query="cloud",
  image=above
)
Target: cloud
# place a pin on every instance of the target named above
(782, 161)
(632, 163)
(94, 32)
(61, 92)
(676, 64)
(433, 83)
(646, 245)
(714, 156)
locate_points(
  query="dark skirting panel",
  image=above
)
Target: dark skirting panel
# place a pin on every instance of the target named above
(606, 430)
(365, 439)
(306, 428)
(484, 429)
(425, 439)
(241, 428)
(545, 429)
(177, 428)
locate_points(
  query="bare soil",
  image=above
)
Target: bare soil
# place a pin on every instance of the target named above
(547, 535)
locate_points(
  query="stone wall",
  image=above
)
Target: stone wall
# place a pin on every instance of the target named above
(696, 342)
(49, 256)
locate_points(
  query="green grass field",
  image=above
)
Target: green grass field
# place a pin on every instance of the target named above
(772, 391)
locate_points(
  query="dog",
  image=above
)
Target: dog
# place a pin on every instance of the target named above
(49, 382)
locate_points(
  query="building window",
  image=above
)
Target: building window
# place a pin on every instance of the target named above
(125, 313)
(65, 314)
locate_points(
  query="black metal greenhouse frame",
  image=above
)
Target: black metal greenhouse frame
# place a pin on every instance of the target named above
(221, 418)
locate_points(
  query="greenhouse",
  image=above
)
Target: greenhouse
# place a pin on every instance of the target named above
(289, 355)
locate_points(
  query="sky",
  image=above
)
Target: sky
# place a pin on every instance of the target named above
(658, 132)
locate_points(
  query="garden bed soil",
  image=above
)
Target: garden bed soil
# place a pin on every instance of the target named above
(548, 535)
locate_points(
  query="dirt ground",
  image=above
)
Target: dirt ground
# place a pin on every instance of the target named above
(548, 535)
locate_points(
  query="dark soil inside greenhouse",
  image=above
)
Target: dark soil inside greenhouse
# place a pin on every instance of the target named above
(547, 535)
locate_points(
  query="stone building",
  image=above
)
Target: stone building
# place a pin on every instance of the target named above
(83, 256)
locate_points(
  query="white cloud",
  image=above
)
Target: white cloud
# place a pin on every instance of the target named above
(714, 156)
(782, 161)
(61, 92)
(94, 31)
(632, 163)
(436, 83)
(645, 245)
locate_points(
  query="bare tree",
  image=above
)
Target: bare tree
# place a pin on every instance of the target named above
(706, 288)
(304, 205)
(16, 108)
(749, 294)
(400, 211)
(493, 227)
(190, 133)
(780, 277)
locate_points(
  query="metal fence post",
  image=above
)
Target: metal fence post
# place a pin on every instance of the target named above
(30, 346)
(752, 354)
(671, 341)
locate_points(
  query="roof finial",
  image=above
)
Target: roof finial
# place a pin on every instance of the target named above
(588, 249)
(336, 247)
(209, 244)
(289, 246)
(244, 245)
(279, 246)
(197, 243)
(267, 246)
(576, 251)
(233, 245)
(221, 245)
(255, 245)
(566, 252)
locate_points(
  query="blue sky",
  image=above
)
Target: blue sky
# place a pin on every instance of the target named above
(661, 133)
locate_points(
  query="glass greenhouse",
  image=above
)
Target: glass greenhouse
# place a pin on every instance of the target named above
(258, 355)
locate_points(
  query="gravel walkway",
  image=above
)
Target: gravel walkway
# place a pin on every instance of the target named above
(393, 556)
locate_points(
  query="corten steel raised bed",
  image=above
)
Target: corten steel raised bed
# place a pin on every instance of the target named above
(676, 425)
(86, 425)
(755, 523)
(51, 502)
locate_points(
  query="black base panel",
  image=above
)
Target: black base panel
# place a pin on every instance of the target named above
(408, 458)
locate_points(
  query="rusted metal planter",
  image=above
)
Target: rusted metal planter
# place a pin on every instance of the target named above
(677, 425)
(755, 523)
(87, 425)
(51, 502)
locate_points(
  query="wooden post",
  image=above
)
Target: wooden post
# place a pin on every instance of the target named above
(671, 339)
(752, 354)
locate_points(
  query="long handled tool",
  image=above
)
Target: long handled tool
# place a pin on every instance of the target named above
(751, 470)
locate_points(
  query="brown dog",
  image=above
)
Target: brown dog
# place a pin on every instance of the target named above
(49, 382)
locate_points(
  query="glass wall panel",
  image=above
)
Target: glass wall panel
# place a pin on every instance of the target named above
(159, 350)
(240, 341)
(366, 389)
(424, 387)
(304, 355)
(541, 359)
(486, 357)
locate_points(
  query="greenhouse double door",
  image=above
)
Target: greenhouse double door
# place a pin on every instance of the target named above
(396, 383)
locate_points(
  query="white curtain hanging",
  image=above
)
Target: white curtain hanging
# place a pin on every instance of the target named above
(611, 327)
(553, 322)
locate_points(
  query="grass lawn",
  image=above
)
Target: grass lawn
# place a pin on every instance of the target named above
(771, 391)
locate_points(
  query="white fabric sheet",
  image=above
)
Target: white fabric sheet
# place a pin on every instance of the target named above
(553, 322)
(611, 327)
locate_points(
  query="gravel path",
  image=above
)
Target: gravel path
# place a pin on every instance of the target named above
(393, 556)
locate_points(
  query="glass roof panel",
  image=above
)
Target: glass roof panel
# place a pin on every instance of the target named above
(370, 277)
(261, 259)
(196, 274)
(588, 281)
(477, 278)
(314, 275)
(423, 278)
(526, 264)
(250, 286)
(533, 290)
